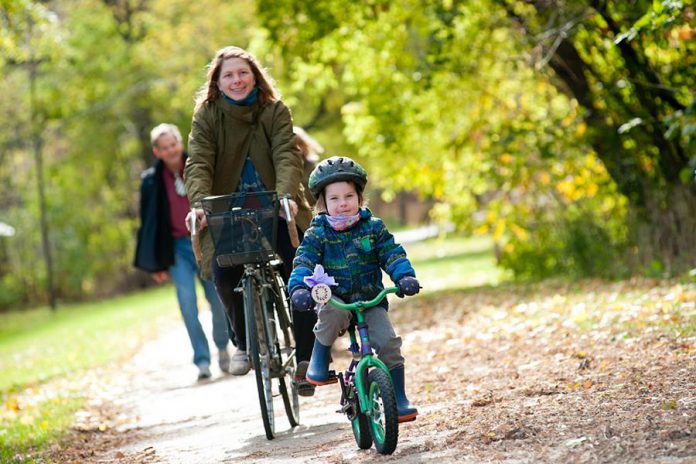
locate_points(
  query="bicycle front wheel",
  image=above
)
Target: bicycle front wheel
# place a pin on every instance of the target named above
(257, 345)
(384, 418)
(359, 422)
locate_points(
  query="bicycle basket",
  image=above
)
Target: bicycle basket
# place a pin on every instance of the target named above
(243, 227)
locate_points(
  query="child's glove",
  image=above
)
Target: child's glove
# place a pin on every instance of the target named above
(407, 286)
(302, 300)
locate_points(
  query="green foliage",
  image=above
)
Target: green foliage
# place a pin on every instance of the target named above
(469, 103)
(519, 118)
(107, 73)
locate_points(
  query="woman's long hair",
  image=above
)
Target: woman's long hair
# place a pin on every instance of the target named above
(210, 91)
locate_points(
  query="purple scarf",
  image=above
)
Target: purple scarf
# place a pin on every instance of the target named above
(339, 223)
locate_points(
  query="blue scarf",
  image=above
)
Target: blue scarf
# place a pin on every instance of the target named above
(247, 101)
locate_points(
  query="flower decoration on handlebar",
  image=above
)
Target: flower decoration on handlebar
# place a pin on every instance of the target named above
(320, 283)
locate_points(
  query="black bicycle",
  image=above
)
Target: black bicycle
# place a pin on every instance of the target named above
(243, 227)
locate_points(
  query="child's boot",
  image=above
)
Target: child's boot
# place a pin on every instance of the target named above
(407, 412)
(318, 372)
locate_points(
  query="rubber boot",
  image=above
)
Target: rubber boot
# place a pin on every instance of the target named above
(318, 371)
(407, 412)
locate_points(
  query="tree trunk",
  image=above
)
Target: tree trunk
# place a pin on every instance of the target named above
(665, 231)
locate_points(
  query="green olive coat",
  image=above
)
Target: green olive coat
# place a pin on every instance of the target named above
(222, 134)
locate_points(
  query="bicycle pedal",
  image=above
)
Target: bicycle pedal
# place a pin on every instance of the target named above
(346, 409)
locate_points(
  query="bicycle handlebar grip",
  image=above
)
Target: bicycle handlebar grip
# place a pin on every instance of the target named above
(193, 221)
(292, 227)
(195, 238)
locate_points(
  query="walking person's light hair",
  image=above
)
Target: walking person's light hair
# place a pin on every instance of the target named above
(162, 129)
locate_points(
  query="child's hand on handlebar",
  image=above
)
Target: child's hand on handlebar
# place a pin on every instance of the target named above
(408, 286)
(201, 219)
(302, 300)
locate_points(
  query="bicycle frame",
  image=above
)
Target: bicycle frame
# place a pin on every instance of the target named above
(358, 369)
(266, 276)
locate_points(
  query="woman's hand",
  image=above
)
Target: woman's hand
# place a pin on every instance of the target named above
(293, 209)
(201, 219)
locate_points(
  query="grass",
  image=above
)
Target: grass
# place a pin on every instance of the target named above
(454, 263)
(42, 348)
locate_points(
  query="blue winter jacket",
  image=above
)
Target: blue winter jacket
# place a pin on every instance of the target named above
(354, 257)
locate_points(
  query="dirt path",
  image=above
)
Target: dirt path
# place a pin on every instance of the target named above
(589, 373)
(173, 419)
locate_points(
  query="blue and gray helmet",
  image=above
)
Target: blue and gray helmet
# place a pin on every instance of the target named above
(336, 169)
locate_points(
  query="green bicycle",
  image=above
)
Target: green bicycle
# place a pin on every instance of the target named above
(367, 392)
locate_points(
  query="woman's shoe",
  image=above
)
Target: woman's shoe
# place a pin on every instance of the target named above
(304, 387)
(239, 364)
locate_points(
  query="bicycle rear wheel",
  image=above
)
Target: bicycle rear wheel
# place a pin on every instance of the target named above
(259, 352)
(384, 418)
(286, 350)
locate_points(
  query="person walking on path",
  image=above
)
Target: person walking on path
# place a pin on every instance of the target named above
(242, 140)
(164, 245)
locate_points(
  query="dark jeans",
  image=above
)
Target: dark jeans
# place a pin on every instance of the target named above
(226, 279)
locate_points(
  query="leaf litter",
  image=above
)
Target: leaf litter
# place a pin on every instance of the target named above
(584, 372)
(590, 371)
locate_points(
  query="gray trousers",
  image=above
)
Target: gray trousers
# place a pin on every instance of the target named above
(332, 321)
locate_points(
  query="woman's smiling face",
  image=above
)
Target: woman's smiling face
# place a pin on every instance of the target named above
(236, 78)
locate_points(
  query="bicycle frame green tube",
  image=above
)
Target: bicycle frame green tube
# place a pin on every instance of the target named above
(367, 361)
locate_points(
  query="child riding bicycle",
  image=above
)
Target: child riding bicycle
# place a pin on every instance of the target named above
(354, 247)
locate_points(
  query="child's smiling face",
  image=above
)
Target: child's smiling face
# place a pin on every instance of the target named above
(341, 199)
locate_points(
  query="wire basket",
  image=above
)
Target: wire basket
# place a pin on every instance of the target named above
(243, 227)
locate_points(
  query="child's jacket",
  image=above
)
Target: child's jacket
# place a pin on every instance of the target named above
(354, 257)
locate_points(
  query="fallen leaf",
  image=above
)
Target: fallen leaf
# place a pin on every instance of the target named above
(572, 443)
(669, 404)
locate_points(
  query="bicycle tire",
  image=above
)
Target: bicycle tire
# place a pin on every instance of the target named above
(286, 349)
(259, 357)
(383, 417)
(359, 423)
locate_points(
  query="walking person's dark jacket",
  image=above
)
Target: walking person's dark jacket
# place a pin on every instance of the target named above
(155, 249)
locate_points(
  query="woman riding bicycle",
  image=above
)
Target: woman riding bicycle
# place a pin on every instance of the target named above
(354, 247)
(242, 140)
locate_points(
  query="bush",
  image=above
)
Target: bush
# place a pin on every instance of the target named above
(573, 246)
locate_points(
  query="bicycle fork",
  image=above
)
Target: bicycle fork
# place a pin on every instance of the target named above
(356, 374)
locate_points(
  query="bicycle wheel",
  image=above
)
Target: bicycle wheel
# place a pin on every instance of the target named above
(359, 423)
(383, 417)
(259, 352)
(286, 351)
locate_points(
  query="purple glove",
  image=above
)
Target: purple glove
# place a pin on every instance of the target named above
(407, 286)
(302, 300)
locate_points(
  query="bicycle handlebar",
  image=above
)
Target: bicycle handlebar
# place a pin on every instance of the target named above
(360, 304)
(292, 228)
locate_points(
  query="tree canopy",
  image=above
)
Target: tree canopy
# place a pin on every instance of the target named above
(564, 129)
